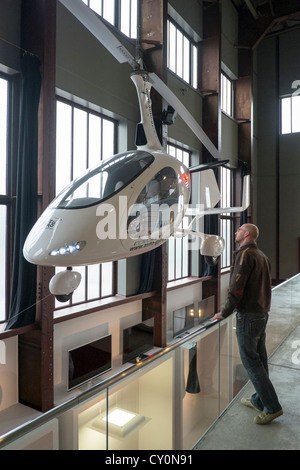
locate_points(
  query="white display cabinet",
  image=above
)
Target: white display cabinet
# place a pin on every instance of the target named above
(140, 414)
(75, 433)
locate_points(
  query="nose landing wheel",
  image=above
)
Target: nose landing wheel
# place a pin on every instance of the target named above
(64, 298)
(212, 247)
(63, 284)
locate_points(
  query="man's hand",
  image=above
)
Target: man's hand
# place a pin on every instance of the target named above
(218, 316)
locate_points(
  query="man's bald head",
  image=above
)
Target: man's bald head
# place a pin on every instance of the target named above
(253, 231)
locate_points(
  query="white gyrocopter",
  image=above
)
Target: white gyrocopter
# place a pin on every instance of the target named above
(132, 202)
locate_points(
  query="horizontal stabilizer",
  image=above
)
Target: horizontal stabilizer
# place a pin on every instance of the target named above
(197, 213)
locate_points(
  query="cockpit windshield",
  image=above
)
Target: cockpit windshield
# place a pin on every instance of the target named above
(103, 181)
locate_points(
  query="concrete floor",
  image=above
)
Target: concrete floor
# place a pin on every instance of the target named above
(235, 429)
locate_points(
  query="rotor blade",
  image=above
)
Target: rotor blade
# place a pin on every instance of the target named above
(207, 166)
(172, 99)
(93, 23)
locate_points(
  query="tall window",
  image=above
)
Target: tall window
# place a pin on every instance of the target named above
(121, 13)
(4, 193)
(290, 114)
(226, 219)
(84, 138)
(128, 18)
(105, 8)
(178, 247)
(226, 95)
(182, 54)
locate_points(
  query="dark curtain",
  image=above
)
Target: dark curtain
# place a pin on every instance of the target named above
(244, 172)
(147, 272)
(23, 283)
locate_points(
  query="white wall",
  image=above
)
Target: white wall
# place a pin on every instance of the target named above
(76, 332)
(229, 39)
(8, 372)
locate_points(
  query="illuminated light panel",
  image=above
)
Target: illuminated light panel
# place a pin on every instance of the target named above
(119, 417)
(120, 422)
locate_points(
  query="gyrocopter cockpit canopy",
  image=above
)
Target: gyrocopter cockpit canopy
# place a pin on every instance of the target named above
(105, 180)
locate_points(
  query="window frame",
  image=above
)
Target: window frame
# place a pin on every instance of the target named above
(292, 120)
(193, 49)
(185, 272)
(8, 199)
(85, 269)
(226, 179)
(117, 21)
(131, 24)
(227, 102)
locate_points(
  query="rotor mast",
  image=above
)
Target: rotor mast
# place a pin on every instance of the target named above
(143, 86)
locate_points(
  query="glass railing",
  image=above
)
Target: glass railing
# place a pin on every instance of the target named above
(164, 402)
(167, 402)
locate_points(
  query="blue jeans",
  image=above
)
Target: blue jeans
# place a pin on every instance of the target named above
(251, 337)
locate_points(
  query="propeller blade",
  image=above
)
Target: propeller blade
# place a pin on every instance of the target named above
(96, 26)
(207, 166)
(172, 99)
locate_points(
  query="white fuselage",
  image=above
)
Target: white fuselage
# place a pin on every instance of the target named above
(126, 223)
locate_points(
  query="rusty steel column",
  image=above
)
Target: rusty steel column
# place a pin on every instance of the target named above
(153, 39)
(38, 35)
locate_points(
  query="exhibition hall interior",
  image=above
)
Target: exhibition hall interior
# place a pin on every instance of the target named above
(136, 137)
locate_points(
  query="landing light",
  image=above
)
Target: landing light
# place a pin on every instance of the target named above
(68, 249)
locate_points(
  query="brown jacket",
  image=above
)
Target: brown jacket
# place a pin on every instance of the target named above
(250, 284)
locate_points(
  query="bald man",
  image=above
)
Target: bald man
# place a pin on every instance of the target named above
(249, 295)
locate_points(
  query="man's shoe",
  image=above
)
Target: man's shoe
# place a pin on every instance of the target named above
(266, 418)
(247, 402)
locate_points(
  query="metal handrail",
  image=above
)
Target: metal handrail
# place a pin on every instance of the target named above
(93, 390)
